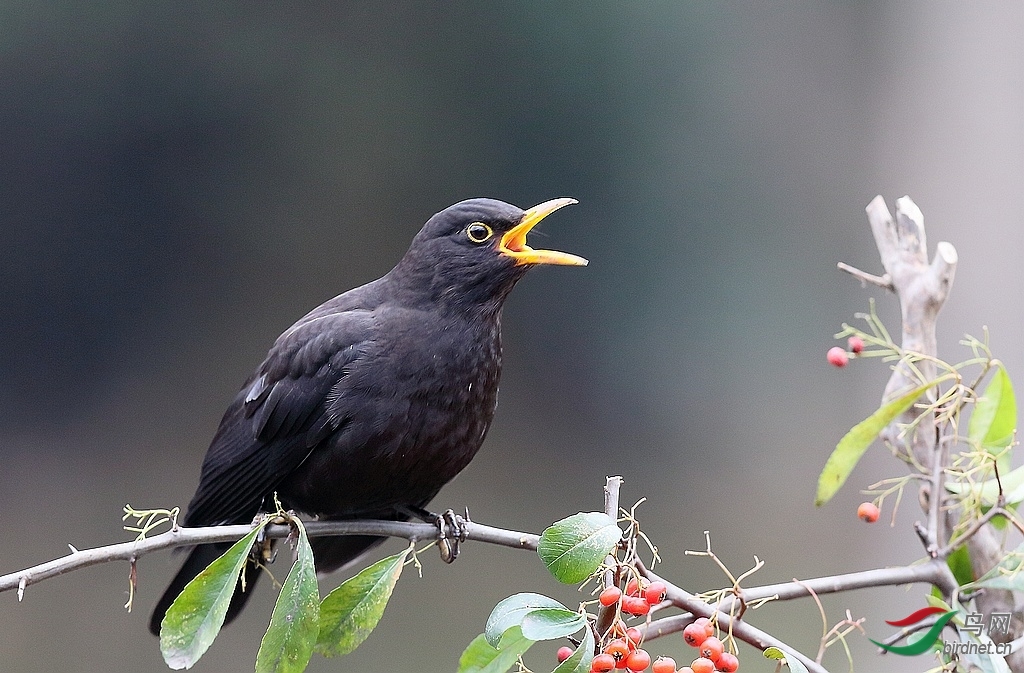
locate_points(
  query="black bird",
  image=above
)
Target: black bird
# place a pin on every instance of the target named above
(374, 400)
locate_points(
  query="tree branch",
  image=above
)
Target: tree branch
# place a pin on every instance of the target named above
(187, 537)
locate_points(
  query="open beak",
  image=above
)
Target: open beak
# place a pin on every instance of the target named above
(513, 242)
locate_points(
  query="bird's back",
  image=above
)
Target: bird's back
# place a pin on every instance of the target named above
(362, 405)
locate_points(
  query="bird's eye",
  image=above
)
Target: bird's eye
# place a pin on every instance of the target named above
(478, 232)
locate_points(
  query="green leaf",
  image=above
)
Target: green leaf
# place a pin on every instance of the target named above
(995, 417)
(551, 623)
(350, 613)
(778, 654)
(482, 657)
(511, 612)
(196, 615)
(575, 547)
(295, 624)
(853, 445)
(959, 563)
(1008, 574)
(580, 660)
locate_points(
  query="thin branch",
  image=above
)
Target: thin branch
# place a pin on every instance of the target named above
(884, 282)
(606, 615)
(737, 627)
(187, 537)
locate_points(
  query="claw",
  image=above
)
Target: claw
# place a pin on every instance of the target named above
(451, 532)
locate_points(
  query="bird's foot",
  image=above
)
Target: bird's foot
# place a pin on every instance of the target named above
(451, 533)
(451, 529)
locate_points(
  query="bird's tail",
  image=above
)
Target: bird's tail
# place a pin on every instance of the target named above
(197, 560)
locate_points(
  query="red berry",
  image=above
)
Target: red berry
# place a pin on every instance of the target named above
(685, 669)
(634, 587)
(635, 606)
(633, 638)
(610, 596)
(702, 665)
(709, 628)
(664, 665)
(617, 648)
(564, 652)
(602, 663)
(638, 661)
(728, 663)
(868, 511)
(855, 344)
(655, 592)
(837, 357)
(711, 648)
(694, 634)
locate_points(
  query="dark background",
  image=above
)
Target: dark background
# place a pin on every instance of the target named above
(180, 182)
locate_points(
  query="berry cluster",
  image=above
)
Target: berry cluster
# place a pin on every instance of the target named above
(621, 645)
(711, 654)
(622, 649)
(837, 357)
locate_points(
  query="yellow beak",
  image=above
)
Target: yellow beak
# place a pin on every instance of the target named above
(513, 242)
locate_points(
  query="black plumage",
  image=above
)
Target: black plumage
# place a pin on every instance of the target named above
(373, 401)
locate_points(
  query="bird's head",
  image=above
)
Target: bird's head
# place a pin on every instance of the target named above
(472, 253)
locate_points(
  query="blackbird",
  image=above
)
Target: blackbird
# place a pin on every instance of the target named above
(374, 400)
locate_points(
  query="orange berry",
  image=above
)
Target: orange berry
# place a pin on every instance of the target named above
(655, 592)
(702, 665)
(635, 605)
(712, 648)
(633, 638)
(635, 587)
(610, 596)
(602, 663)
(664, 665)
(638, 661)
(617, 648)
(694, 634)
(728, 663)
(868, 511)
(709, 628)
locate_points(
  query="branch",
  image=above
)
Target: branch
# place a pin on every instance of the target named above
(933, 572)
(737, 627)
(187, 537)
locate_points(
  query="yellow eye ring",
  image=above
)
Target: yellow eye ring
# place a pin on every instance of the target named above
(478, 232)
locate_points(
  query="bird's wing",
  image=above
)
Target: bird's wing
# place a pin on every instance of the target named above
(280, 415)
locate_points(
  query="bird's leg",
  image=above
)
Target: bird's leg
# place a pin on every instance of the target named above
(451, 528)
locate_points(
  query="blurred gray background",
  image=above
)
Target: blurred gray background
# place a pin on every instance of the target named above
(182, 181)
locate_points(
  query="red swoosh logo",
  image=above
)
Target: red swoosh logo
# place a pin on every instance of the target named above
(915, 617)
